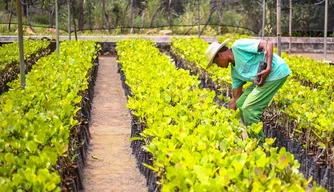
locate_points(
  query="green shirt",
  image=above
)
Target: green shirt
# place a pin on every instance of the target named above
(246, 61)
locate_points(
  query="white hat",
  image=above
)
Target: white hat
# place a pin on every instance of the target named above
(213, 49)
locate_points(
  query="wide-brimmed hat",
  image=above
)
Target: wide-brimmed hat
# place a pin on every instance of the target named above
(213, 49)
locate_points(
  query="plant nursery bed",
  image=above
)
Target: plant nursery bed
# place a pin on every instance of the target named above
(310, 164)
(142, 156)
(71, 167)
(12, 70)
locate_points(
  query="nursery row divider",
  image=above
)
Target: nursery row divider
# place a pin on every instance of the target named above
(110, 166)
(323, 174)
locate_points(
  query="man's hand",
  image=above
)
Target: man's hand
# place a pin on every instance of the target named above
(232, 104)
(263, 76)
(268, 51)
(236, 93)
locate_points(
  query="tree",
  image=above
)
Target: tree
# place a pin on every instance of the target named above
(219, 14)
(106, 14)
(73, 17)
(81, 21)
(89, 12)
(11, 14)
(169, 16)
(212, 10)
(156, 12)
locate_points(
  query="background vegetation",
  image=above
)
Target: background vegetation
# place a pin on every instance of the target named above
(150, 16)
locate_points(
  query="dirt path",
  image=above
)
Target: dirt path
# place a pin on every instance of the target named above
(114, 168)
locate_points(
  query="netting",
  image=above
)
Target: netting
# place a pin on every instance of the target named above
(180, 16)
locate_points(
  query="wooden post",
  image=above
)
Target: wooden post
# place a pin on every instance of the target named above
(325, 31)
(279, 27)
(69, 19)
(57, 28)
(199, 18)
(263, 17)
(20, 38)
(131, 17)
(290, 24)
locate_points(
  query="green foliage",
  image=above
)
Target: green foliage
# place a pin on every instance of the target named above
(318, 74)
(304, 15)
(40, 19)
(242, 16)
(193, 50)
(310, 113)
(10, 52)
(35, 122)
(196, 145)
(308, 102)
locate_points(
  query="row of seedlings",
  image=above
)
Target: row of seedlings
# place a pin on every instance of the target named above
(43, 128)
(10, 60)
(213, 78)
(194, 144)
(317, 76)
(181, 46)
(306, 115)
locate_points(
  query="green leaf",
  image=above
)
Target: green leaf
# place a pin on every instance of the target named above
(42, 175)
(17, 178)
(50, 186)
(95, 157)
(321, 145)
(283, 162)
(262, 161)
(8, 107)
(54, 178)
(270, 141)
(136, 138)
(150, 167)
(40, 137)
(31, 146)
(9, 158)
(30, 175)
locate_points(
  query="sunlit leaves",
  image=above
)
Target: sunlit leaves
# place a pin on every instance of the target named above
(36, 121)
(193, 50)
(10, 52)
(318, 74)
(196, 145)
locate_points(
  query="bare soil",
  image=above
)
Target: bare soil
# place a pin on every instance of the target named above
(110, 164)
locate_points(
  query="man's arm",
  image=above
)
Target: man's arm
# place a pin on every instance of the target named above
(236, 93)
(268, 49)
